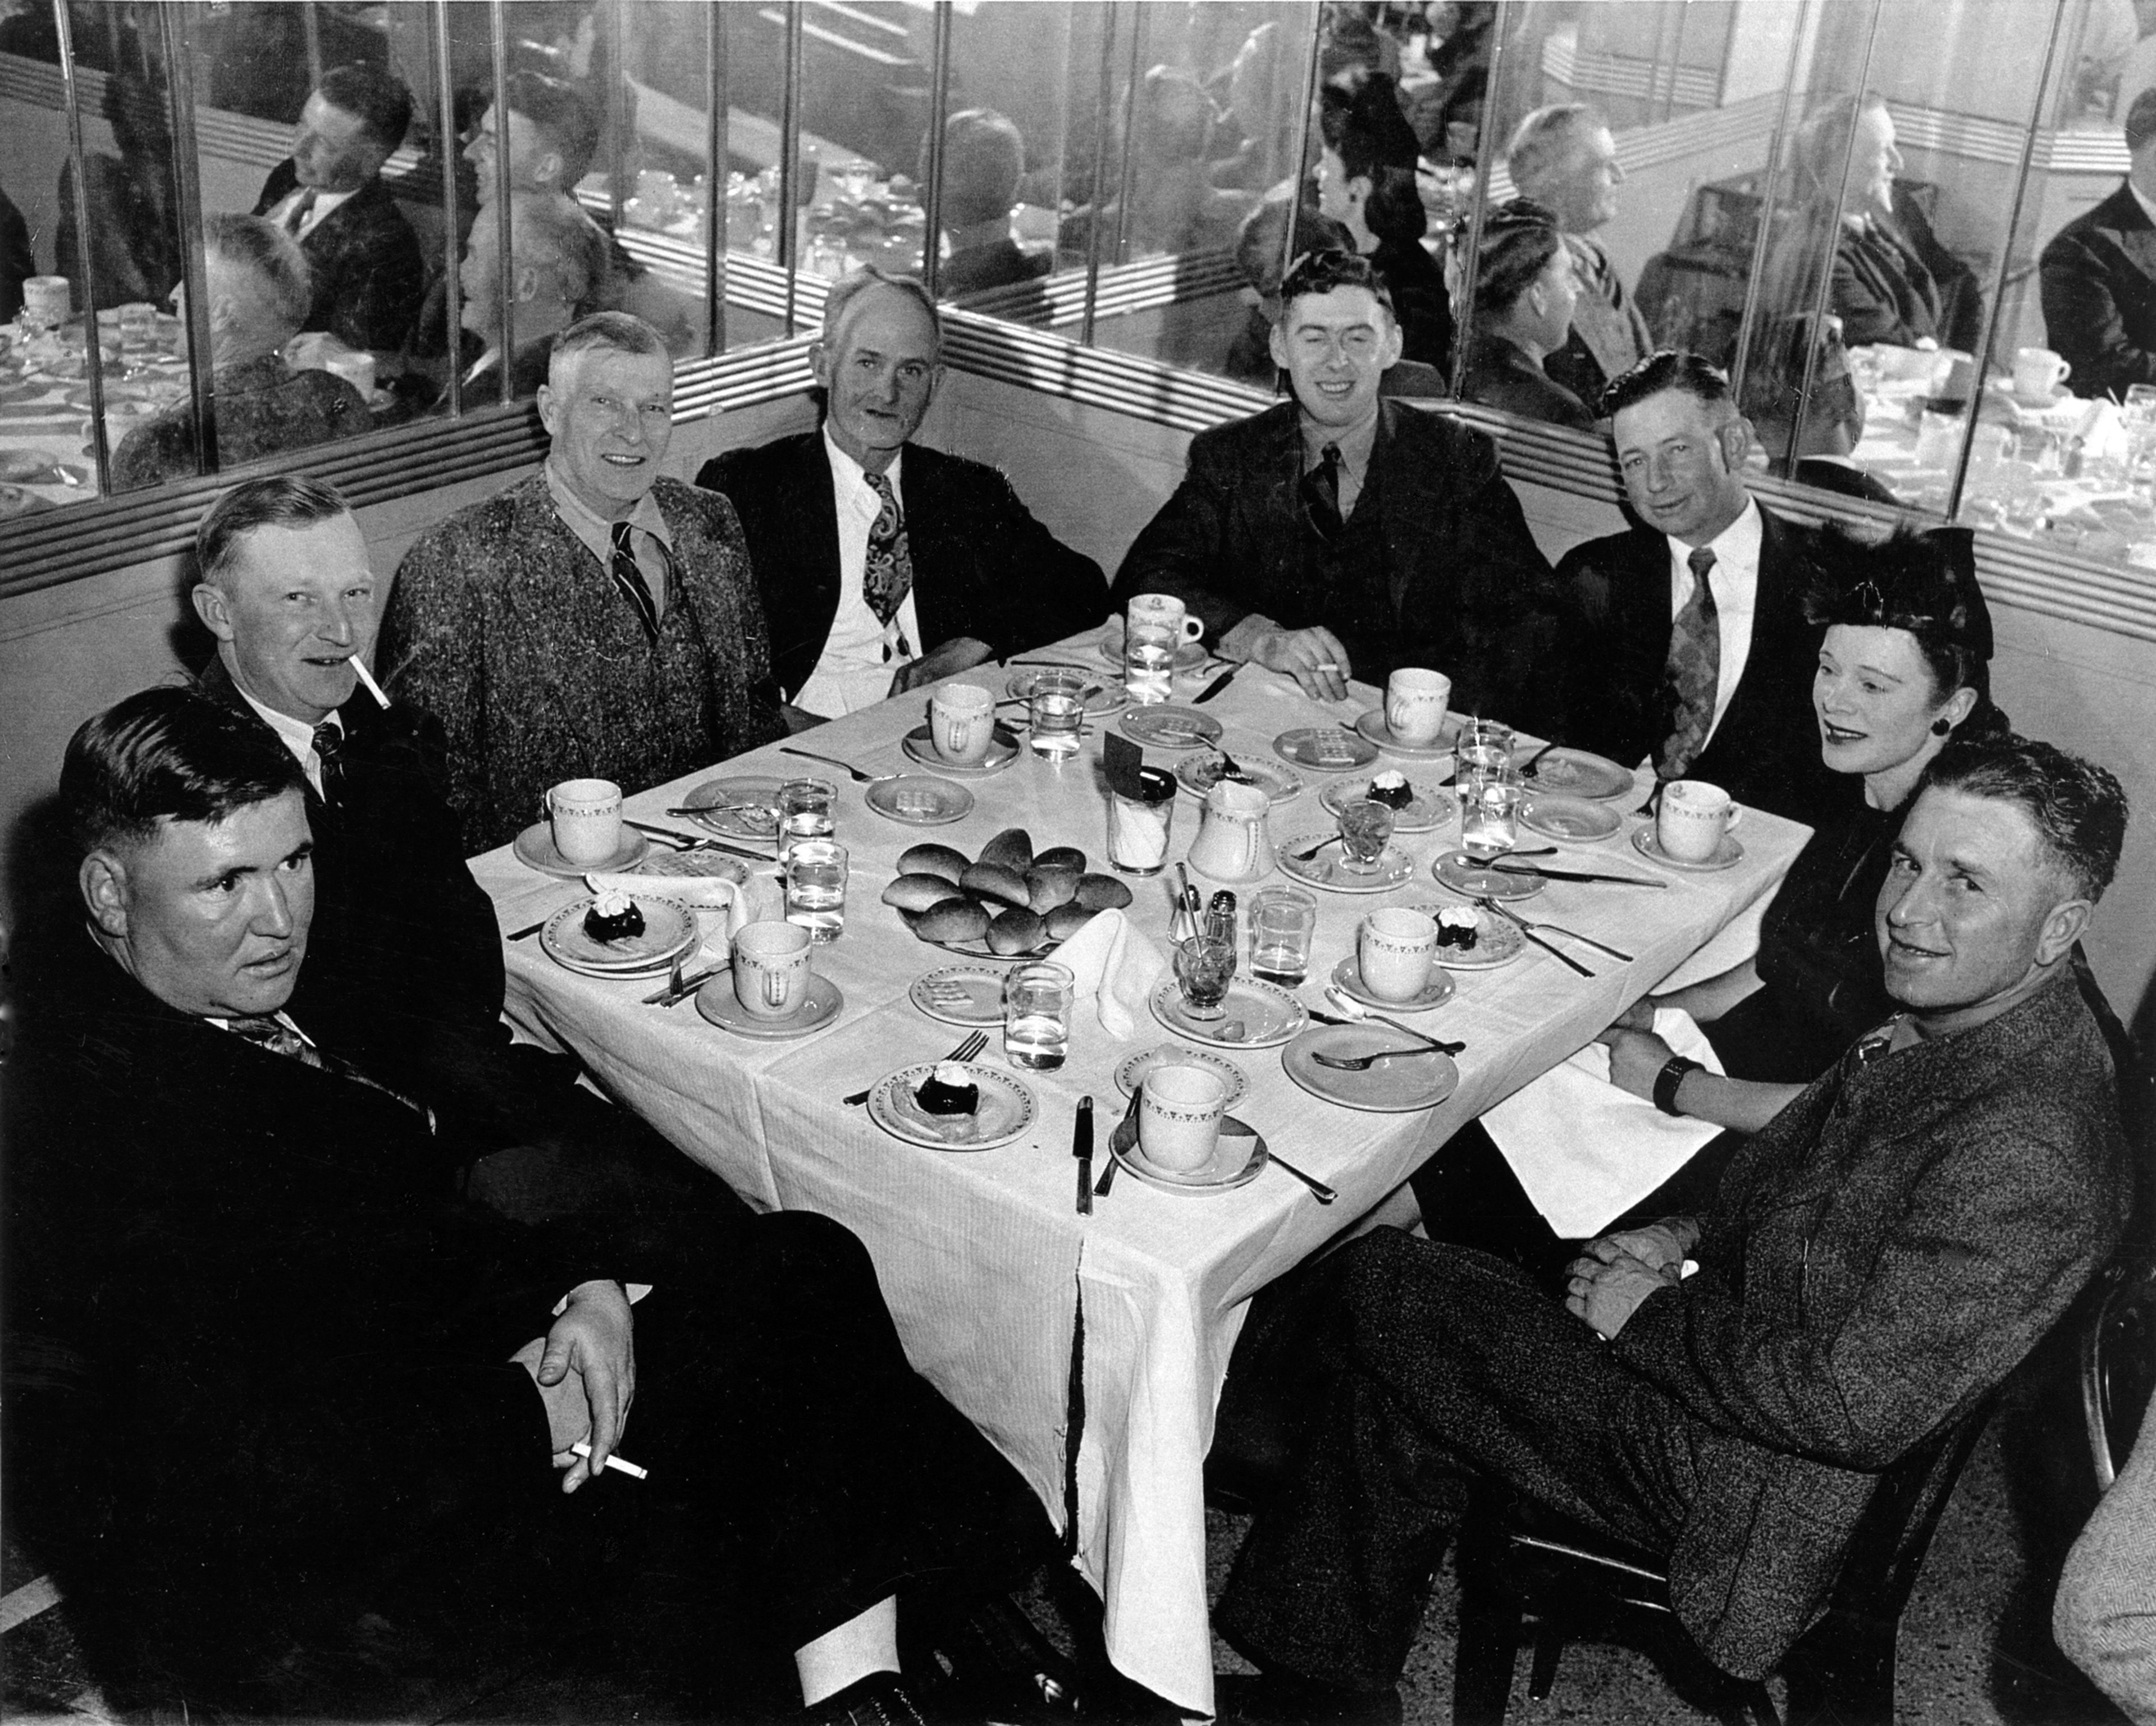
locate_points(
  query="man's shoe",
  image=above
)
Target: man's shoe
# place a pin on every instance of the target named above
(880, 1699)
(1282, 1699)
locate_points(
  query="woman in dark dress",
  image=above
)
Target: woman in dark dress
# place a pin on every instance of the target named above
(1366, 181)
(1904, 669)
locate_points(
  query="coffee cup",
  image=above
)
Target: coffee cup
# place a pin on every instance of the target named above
(1394, 950)
(1179, 1110)
(2038, 372)
(771, 969)
(46, 302)
(1692, 817)
(962, 722)
(586, 814)
(1415, 701)
(1166, 611)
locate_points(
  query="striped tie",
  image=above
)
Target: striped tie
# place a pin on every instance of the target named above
(1693, 672)
(629, 579)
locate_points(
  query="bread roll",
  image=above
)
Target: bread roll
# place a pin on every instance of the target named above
(932, 860)
(1102, 893)
(1016, 932)
(917, 893)
(955, 920)
(1012, 849)
(1066, 920)
(1048, 888)
(1061, 857)
(988, 880)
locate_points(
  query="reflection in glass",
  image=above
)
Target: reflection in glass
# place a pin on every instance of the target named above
(1366, 181)
(1526, 294)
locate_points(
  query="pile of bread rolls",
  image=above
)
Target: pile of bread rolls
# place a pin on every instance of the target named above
(1018, 903)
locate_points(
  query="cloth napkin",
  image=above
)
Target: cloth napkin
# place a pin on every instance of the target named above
(1585, 1151)
(1115, 967)
(723, 907)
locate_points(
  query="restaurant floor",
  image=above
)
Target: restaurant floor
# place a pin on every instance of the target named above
(1957, 1664)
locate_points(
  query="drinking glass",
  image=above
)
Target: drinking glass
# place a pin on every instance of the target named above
(1481, 744)
(1058, 716)
(808, 809)
(1138, 827)
(1490, 813)
(1037, 1014)
(1149, 660)
(816, 888)
(1365, 829)
(1283, 922)
(1204, 969)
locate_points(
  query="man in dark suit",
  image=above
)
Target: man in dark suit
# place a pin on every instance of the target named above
(983, 160)
(311, 1398)
(884, 564)
(328, 195)
(1340, 533)
(1727, 1389)
(2099, 276)
(1708, 674)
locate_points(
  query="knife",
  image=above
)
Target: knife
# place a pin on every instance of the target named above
(1574, 875)
(1215, 687)
(1081, 1147)
(1131, 1121)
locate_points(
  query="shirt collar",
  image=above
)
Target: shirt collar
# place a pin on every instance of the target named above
(595, 530)
(854, 477)
(296, 735)
(1355, 446)
(2148, 205)
(1738, 543)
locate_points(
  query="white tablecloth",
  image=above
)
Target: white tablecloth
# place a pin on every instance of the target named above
(982, 1258)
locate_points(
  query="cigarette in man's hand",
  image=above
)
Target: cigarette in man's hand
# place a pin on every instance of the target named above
(630, 1469)
(367, 677)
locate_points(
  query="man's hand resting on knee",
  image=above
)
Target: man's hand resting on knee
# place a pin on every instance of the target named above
(1614, 1273)
(585, 1368)
(1313, 656)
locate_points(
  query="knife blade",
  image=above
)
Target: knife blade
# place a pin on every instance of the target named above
(1215, 687)
(1130, 1121)
(1081, 1147)
(1573, 875)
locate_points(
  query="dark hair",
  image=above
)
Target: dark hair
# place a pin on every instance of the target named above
(1321, 272)
(2078, 808)
(1264, 232)
(377, 98)
(1373, 141)
(1668, 369)
(167, 754)
(279, 500)
(2141, 119)
(984, 160)
(1519, 239)
(563, 116)
(1923, 582)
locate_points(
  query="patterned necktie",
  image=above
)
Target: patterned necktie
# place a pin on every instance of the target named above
(329, 746)
(629, 579)
(1320, 493)
(887, 576)
(299, 213)
(1694, 672)
(278, 1037)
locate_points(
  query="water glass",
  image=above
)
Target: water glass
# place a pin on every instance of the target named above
(1204, 969)
(1482, 743)
(1058, 716)
(1490, 813)
(1149, 649)
(1365, 829)
(816, 888)
(1283, 923)
(1138, 827)
(808, 809)
(1037, 1014)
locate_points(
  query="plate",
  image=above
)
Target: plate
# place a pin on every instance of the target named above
(1003, 750)
(1348, 978)
(1188, 657)
(1577, 774)
(1372, 727)
(1198, 774)
(1433, 805)
(717, 1002)
(1099, 694)
(1496, 942)
(1167, 726)
(15, 501)
(1006, 1110)
(699, 865)
(1265, 1013)
(921, 799)
(961, 995)
(1399, 1086)
(1132, 1070)
(535, 848)
(670, 930)
(742, 808)
(1649, 845)
(1238, 1157)
(1394, 866)
(1463, 874)
(1328, 748)
(1569, 817)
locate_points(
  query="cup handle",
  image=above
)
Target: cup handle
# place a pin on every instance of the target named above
(1193, 627)
(2065, 370)
(1736, 815)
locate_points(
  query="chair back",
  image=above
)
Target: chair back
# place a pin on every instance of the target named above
(2119, 1363)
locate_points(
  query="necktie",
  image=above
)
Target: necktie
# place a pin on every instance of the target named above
(299, 213)
(629, 579)
(328, 745)
(887, 576)
(1321, 491)
(1693, 672)
(278, 1037)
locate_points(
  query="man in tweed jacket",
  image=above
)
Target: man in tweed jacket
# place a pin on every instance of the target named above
(595, 621)
(1878, 1257)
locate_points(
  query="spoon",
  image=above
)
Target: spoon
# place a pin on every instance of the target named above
(1306, 855)
(1362, 1064)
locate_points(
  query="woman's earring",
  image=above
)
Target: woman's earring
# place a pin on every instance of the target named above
(1941, 727)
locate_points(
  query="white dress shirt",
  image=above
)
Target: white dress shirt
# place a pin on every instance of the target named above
(856, 670)
(1735, 582)
(296, 734)
(325, 202)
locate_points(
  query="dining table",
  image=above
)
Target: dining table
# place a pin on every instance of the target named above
(996, 1281)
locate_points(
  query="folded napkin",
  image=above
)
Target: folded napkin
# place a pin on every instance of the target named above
(1115, 967)
(759, 900)
(1585, 1151)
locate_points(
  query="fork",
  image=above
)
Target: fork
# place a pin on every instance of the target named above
(968, 1046)
(859, 777)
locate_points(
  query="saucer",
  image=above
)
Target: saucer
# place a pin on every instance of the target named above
(961, 994)
(1166, 725)
(1003, 750)
(1328, 748)
(1131, 1074)
(1099, 694)
(1569, 817)
(740, 808)
(717, 1002)
(1460, 873)
(1498, 940)
(1264, 1013)
(1188, 657)
(1348, 978)
(1648, 843)
(1577, 773)
(1433, 807)
(920, 799)
(534, 849)
(1006, 1109)
(1198, 774)
(1397, 1086)
(1238, 1157)
(1393, 867)
(1372, 727)
(670, 929)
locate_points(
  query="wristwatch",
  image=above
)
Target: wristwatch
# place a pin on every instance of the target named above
(1666, 1081)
